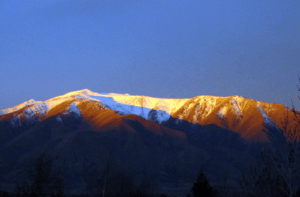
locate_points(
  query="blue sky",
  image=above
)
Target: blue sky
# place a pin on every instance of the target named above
(159, 48)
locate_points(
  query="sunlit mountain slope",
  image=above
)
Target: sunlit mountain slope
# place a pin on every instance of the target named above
(241, 115)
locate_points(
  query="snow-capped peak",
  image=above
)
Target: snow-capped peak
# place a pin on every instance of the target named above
(128, 104)
(199, 110)
(17, 107)
(232, 112)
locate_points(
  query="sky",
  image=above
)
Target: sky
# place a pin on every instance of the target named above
(157, 48)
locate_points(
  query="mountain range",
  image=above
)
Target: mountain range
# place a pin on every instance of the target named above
(167, 140)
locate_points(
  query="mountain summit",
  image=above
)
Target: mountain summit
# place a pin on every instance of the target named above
(241, 115)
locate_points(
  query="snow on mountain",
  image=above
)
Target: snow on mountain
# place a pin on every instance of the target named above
(143, 106)
(124, 104)
(30, 114)
(34, 111)
(73, 108)
(41, 108)
(235, 113)
(222, 112)
(236, 107)
(16, 120)
(138, 105)
(266, 118)
(17, 107)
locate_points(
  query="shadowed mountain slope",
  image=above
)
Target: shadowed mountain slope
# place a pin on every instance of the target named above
(168, 139)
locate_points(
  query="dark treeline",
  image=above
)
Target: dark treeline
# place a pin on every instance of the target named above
(275, 173)
(44, 182)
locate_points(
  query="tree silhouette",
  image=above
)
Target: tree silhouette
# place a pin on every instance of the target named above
(201, 187)
(43, 182)
(277, 171)
(263, 178)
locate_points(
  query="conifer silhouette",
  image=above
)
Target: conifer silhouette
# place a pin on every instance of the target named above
(201, 187)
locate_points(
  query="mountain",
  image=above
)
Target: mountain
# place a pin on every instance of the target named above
(166, 139)
(238, 114)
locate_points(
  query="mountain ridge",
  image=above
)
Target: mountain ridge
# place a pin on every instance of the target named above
(242, 115)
